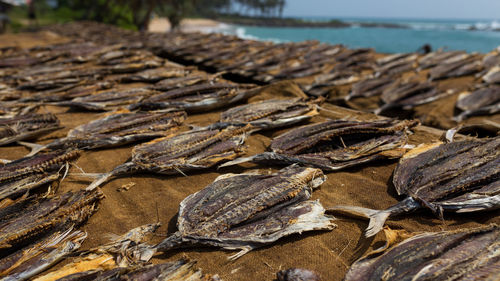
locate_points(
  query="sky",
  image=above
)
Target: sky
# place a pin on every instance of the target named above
(427, 9)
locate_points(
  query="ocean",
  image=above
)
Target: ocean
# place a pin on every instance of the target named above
(446, 34)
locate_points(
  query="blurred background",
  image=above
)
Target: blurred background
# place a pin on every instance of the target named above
(388, 26)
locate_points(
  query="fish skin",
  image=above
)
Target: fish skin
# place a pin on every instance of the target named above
(246, 211)
(448, 255)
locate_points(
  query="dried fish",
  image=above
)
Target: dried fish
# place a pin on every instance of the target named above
(156, 74)
(370, 87)
(297, 274)
(41, 255)
(467, 65)
(336, 144)
(246, 211)
(110, 100)
(34, 217)
(25, 174)
(480, 102)
(27, 126)
(438, 57)
(409, 94)
(460, 176)
(122, 253)
(395, 64)
(466, 254)
(117, 129)
(271, 113)
(492, 76)
(173, 271)
(199, 97)
(196, 149)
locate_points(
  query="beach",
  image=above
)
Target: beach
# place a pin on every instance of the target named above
(156, 198)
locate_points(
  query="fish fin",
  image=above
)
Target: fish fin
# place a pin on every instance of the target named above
(100, 180)
(377, 217)
(35, 148)
(238, 161)
(242, 252)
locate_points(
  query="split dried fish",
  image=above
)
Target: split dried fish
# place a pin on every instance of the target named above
(117, 129)
(156, 74)
(41, 255)
(195, 149)
(484, 101)
(467, 65)
(271, 113)
(124, 252)
(461, 177)
(466, 254)
(180, 270)
(492, 76)
(370, 87)
(199, 97)
(23, 127)
(23, 175)
(297, 274)
(110, 100)
(34, 217)
(336, 144)
(408, 94)
(247, 211)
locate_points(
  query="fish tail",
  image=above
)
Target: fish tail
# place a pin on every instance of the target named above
(377, 217)
(238, 161)
(171, 242)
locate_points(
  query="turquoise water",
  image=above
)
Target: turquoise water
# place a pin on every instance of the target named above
(451, 35)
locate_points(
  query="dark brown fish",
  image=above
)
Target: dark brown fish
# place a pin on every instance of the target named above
(461, 177)
(408, 94)
(156, 74)
(336, 144)
(23, 127)
(438, 57)
(117, 129)
(195, 149)
(271, 113)
(110, 100)
(28, 219)
(247, 211)
(395, 64)
(492, 76)
(199, 97)
(370, 87)
(469, 64)
(180, 270)
(41, 255)
(297, 274)
(479, 102)
(125, 252)
(466, 254)
(25, 174)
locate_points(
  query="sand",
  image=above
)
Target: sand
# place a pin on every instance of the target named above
(156, 198)
(159, 25)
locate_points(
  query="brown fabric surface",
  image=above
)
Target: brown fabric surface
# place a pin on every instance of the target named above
(329, 253)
